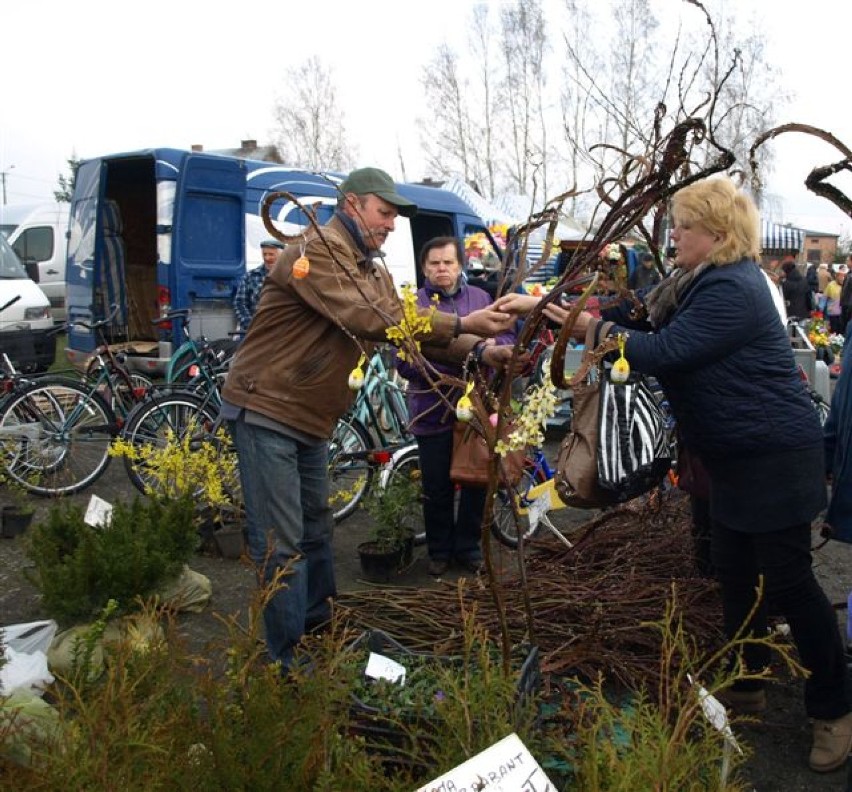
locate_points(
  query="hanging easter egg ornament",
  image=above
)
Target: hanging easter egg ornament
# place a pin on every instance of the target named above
(464, 407)
(621, 368)
(301, 267)
(493, 419)
(356, 376)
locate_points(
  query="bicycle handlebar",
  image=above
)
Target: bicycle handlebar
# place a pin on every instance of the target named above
(114, 309)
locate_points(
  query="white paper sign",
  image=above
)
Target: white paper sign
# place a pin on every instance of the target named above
(98, 512)
(381, 667)
(507, 766)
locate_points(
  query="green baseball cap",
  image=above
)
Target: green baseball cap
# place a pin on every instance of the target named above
(373, 180)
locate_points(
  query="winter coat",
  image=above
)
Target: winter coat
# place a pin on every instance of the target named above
(295, 360)
(797, 295)
(727, 367)
(428, 413)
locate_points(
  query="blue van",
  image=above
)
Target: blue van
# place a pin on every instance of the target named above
(158, 229)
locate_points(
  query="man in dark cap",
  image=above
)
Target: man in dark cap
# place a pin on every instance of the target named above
(248, 289)
(287, 386)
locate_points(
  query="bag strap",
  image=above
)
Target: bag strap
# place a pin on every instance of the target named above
(593, 359)
(557, 360)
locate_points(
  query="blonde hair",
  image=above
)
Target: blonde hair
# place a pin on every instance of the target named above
(720, 208)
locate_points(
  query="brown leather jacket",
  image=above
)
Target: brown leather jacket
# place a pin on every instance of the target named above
(294, 363)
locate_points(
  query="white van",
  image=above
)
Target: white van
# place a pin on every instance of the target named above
(26, 327)
(40, 235)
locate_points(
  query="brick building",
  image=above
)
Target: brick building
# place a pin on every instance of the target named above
(819, 247)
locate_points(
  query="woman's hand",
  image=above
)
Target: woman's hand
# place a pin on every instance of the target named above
(514, 303)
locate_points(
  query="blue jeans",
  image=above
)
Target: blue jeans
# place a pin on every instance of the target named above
(285, 488)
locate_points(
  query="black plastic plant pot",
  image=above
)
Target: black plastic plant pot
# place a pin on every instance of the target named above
(378, 566)
(14, 521)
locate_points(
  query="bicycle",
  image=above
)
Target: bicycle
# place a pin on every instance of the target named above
(364, 439)
(108, 372)
(173, 417)
(55, 433)
(198, 364)
(533, 497)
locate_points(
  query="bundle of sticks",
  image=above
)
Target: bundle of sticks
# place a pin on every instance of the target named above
(592, 604)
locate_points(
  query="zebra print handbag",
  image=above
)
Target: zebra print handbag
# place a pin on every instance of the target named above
(633, 447)
(617, 448)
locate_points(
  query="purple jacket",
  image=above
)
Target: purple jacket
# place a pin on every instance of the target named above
(427, 412)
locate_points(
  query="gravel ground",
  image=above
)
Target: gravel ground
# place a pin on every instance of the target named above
(779, 741)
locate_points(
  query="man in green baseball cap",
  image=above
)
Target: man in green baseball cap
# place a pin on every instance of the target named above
(373, 181)
(287, 387)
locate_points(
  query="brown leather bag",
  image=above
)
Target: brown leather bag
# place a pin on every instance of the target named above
(469, 466)
(577, 463)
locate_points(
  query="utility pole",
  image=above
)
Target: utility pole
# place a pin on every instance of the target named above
(3, 175)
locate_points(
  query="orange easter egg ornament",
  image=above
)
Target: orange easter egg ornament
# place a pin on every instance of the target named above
(301, 267)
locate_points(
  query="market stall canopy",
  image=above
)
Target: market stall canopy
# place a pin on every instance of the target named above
(778, 239)
(488, 211)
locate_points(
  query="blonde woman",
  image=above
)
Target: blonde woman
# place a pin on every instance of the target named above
(713, 339)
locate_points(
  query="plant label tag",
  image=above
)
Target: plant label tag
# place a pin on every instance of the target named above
(716, 713)
(507, 766)
(98, 512)
(381, 667)
(539, 507)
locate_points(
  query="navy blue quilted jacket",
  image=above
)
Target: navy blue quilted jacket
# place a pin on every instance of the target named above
(727, 367)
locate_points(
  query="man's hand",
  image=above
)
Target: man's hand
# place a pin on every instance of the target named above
(487, 322)
(515, 303)
(496, 356)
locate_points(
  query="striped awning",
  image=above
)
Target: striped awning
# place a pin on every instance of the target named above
(776, 238)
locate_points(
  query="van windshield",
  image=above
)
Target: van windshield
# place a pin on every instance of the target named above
(10, 265)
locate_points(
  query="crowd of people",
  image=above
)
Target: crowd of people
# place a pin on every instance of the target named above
(710, 335)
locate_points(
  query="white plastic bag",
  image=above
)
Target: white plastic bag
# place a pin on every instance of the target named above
(26, 656)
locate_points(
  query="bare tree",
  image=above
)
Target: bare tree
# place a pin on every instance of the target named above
(446, 126)
(523, 48)
(748, 100)
(311, 131)
(576, 100)
(484, 121)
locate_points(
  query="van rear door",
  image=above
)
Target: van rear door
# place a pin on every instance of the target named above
(208, 241)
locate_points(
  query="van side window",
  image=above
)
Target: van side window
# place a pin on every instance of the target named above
(35, 244)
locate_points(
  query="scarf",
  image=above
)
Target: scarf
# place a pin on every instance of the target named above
(664, 300)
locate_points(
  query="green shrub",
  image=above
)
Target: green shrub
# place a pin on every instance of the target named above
(79, 568)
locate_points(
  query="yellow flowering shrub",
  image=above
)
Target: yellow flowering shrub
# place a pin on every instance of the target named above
(415, 324)
(539, 405)
(203, 469)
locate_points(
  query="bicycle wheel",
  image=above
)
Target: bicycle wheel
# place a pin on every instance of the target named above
(161, 420)
(406, 462)
(503, 526)
(55, 436)
(350, 472)
(128, 387)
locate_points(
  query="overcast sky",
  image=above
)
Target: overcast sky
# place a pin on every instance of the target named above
(92, 77)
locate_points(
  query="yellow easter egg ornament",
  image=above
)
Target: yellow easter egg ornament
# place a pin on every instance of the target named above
(301, 268)
(356, 376)
(621, 368)
(464, 406)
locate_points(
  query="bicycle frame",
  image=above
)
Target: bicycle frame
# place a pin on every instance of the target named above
(379, 389)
